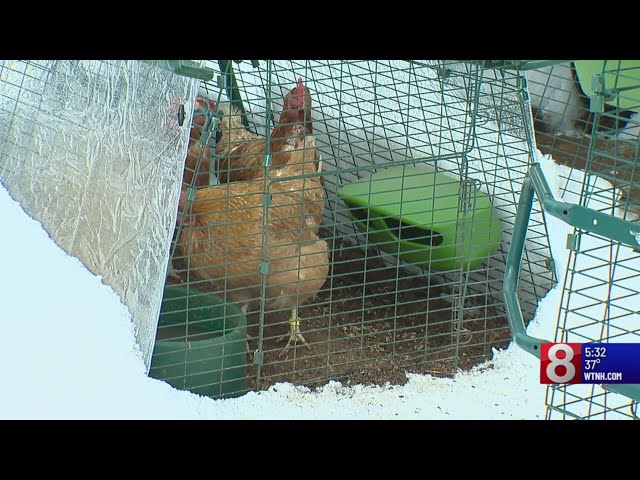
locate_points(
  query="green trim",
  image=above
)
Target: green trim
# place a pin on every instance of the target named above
(231, 87)
(185, 68)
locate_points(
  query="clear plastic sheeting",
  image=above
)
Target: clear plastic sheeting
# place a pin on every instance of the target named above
(93, 150)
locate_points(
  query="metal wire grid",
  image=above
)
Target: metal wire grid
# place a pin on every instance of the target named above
(19, 79)
(581, 402)
(374, 313)
(504, 101)
(600, 296)
(354, 151)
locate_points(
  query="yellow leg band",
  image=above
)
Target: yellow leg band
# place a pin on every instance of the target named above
(294, 322)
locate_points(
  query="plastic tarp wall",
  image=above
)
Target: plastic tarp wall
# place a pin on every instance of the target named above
(93, 150)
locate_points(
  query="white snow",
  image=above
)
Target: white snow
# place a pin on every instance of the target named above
(631, 131)
(68, 352)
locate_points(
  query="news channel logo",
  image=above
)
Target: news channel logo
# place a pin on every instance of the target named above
(590, 363)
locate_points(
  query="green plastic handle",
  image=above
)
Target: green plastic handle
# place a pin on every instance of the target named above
(575, 215)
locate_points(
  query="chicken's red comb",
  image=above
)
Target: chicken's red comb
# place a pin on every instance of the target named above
(300, 86)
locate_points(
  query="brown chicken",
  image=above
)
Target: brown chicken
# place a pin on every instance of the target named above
(195, 149)
(225, 229)
(241, 152)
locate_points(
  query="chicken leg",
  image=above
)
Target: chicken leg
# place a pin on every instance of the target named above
(295, 334)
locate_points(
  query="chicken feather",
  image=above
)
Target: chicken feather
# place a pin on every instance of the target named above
(241, 152)
(226, 236)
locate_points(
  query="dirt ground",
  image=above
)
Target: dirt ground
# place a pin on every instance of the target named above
(373, 335)
(372, 328)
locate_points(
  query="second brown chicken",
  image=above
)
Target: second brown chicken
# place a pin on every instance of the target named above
(241, 152)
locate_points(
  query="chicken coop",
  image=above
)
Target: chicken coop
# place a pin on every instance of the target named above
(586, 117)
(359, 214)
(305, 221)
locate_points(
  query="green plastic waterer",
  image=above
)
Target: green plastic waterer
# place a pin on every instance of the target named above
(424, 217)
(200, 344)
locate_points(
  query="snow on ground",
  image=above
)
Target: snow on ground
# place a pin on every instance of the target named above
(69, 352)
(631, 130)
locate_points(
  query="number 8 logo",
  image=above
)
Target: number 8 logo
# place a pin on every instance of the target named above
(555, 362)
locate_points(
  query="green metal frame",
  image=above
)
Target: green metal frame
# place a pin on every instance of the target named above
(577, 216)
(518, 64)
(186, 68)
(227, 80)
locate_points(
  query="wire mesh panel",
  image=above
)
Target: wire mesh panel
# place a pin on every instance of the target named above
(597, 138)
(358, 213)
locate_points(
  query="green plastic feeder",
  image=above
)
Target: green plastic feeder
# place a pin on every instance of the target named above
(200, 344)
(622, 76)
(418, 215)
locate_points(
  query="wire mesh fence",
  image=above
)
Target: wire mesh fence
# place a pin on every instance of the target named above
(586, 119)
(356, 212)
(339, 220)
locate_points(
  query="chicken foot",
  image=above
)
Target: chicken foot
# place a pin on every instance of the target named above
(295, 335)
